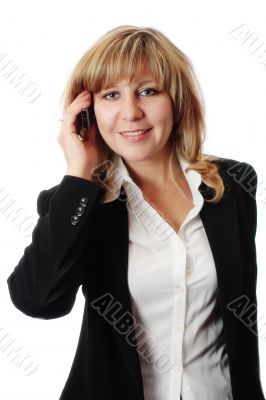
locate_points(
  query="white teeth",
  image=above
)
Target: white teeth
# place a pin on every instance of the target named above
(134, 133)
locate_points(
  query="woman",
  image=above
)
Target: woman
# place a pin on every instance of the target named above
(160, 236)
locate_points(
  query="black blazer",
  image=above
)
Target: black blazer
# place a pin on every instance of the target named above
(78, 240)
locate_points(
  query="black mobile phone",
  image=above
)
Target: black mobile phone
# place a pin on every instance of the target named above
(86, 121)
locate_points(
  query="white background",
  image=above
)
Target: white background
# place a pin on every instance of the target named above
(45, 41)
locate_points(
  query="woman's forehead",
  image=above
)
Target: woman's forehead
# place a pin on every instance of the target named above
(140, 79)
(144, 76)
(141, 67)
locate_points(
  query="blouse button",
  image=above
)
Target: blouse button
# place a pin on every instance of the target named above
(176, 368)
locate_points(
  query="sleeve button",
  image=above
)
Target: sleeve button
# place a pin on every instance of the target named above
(83, 202)
(74, 219)
(79, 211)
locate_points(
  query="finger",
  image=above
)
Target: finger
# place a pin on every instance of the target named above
(74, 109)
(71, 114)
(82, 96)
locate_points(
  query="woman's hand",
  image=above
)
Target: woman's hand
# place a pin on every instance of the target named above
(81, 155)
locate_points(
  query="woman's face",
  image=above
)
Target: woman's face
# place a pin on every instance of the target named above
(133, 107)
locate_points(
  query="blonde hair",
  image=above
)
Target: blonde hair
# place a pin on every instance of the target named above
(123, 51)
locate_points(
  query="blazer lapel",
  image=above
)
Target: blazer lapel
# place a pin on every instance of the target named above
(115, 216)
(220, 223)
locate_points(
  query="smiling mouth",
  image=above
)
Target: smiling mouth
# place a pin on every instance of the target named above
(135, 133)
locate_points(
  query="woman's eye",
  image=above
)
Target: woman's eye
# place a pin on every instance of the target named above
(145, 90)
(107, 96)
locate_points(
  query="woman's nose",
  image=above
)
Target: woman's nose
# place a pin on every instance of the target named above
(131, 109)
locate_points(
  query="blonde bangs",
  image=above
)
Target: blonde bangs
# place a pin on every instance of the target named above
(113, 60)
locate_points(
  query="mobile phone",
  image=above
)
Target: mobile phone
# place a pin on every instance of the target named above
(85, 121)
(85, 118)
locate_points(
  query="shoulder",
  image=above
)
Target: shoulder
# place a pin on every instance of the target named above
(44, 199)
(240, 181)
(237, 175)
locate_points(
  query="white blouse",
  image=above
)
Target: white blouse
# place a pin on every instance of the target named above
(173, 287)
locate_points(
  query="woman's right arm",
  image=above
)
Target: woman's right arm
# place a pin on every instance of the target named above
(45, 281)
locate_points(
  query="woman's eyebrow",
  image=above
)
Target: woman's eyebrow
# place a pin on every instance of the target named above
(113, 85)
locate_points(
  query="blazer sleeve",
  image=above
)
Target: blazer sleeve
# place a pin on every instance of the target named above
(45, 282)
